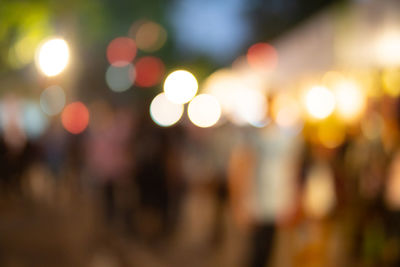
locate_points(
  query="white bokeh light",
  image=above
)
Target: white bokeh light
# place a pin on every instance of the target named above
(180, 86)
(163, 112)
(204, 111)
(320, 102)
(52, 100)
(53, 56)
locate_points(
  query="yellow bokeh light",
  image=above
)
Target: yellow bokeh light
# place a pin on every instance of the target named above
(319, 193)
(320, 102)
(53, 56)
(331, 134)
(350, 100)
(204, 111)
(391, 82)
(163, 112)
(180, 86)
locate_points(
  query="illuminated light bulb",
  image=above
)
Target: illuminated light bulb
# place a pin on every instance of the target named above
(350, 101)
(320, 102)
(52, 100)
(121, 51)
(53, 56)
(204, 111)
(180, 86)
(120, 79)
(149, 71)
(75, 117)
(262, 57)
(163, 112)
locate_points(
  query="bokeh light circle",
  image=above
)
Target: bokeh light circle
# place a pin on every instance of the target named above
(52, 100)
(34, 121)
(204, 110)
(180, 86)
(121, 51)
(320, 102)
(75, 117)
(150, 36)
(149, 71)
(262, 56)
(163, 112)
(350, 100)
(120, 79)
(53, 56)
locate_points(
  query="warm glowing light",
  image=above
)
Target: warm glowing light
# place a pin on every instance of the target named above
(320, 102)
(120, 79)
(23, 51)
(180, 86)
(392, 186)
(262, 57)
(164, 112)
(240, 97)
(250, 106)
(52, 56)
(372, 125)
(331, 78)
(350, 101)
(287, 112)
(391, 82)
(150, 36)
(52, 100)
(149, 71)
(204, 111)
(388, 48)
(331, 134)
(121, 51)
(221, 84)
(319, 193)
(75, 117)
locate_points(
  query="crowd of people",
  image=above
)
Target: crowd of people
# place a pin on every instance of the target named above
(293, 200)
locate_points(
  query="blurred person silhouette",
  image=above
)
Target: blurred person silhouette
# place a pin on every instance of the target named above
(151, 178)
(109, 157)
(263, 170)
(17, 152)
(54, 143)
(205, 163)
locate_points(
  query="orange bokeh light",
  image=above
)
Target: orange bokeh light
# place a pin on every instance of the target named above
(149, 71)
(121, 51)
(75, 117)
(262, 56)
